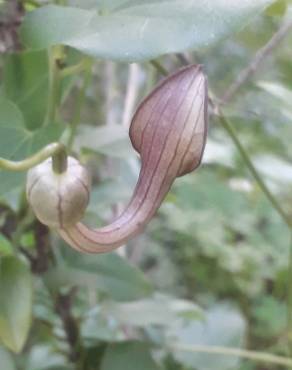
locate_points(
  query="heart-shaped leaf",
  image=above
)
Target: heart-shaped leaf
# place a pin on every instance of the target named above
(129, 355)
(108, 273)
(26, 84)
(223, 326)
(15, 302)
(138, 30)
(17, 142)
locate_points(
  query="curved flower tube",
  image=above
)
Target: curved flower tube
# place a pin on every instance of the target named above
(169, 131)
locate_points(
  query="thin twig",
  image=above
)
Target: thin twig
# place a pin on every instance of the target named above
(11, 16)
(39, 258)
(63, 308)
(259, 57)
(227, 351)
(41, 262)
(244, 154)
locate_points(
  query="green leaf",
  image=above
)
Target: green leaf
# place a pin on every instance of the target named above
(109, 140)
(223, 326)
(12, 199)
(43, 357)
(138, 30)
(157, 310)
(277, 8)
(10, 181)
(26, 84)
(5, 246)
(107, 193)
(6, 360)
(108, 273)
(99, 327)
(14, 136)
(278, 91)
(129, 355)
(274, 168)
(270, 317)
(17, 142)
(15, 302)
(43, 136)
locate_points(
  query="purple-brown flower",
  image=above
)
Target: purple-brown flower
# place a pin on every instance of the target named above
(169, 131)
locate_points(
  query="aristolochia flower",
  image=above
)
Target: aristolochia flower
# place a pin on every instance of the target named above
(168, 130)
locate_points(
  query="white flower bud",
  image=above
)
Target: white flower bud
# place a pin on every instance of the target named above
(58, 200)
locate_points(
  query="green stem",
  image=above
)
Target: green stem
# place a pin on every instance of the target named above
(84, 65)
(228, 127)
(79, 105)
(55, 55)
(151, 78)
(227, 351)
(59, 161)
(159, 67)
(32, 161)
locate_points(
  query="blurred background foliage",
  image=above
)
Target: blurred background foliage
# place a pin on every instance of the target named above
(212, 266)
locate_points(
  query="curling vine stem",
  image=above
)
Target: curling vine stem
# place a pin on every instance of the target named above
(35, 159)
(227, 351)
